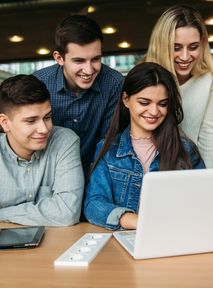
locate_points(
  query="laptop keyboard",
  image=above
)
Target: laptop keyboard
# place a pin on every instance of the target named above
(131, 239)
(126, 239)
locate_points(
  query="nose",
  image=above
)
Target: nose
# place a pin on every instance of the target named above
(88, 68)
(184, 55)
(42, 127)
(153, 110)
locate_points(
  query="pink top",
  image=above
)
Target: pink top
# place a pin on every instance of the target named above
(145, 151)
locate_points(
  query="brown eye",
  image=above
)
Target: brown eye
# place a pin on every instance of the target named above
(144, 103)
(193, 47)
(177, 48)
(163, 104)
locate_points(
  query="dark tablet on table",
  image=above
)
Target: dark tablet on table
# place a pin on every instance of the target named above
(21, 237)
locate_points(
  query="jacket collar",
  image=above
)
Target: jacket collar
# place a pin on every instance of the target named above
(125, 145)
(61, 83)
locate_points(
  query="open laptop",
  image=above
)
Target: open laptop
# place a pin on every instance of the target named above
(175, 215)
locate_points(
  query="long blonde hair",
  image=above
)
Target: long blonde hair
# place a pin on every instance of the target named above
(161, 45)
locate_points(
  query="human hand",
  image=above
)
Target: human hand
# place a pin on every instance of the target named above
(129, 220)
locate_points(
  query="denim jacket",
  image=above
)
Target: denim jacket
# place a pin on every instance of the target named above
(115, 184)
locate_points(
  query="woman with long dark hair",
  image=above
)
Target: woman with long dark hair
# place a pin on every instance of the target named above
(143, 137)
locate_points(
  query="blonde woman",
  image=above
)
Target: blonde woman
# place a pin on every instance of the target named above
(179, 42)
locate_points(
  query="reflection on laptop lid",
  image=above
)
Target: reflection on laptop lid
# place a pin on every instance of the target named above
(175, 215)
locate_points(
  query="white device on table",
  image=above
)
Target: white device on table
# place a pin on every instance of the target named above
(175, 215)
(83, 251)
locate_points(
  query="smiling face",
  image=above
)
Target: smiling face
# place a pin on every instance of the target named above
(28, 128)
(187, 50)
(148, 109)
(81, 64)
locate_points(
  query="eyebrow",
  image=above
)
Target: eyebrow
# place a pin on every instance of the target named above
(81, 58)
(196, 42)
(144, 98)
(36, 117)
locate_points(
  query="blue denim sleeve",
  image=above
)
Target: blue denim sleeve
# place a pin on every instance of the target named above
(195, 158)
(99, 207)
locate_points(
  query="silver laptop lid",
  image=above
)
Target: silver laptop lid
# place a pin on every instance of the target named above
(175, 214)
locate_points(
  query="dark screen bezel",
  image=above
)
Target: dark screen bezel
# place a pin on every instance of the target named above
(33, 243)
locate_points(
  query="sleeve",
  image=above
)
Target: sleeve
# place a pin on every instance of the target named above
(205, 140)
(109, 110)
(99, 206)
(62, 207)
(195, 157)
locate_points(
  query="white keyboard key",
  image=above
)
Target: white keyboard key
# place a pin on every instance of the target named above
(83, 251)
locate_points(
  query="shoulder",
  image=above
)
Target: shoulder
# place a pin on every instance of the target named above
(109, 74)
(2, 140)
(46, 72)
(188, 144)
(191, 149)
(212, 87)
(63, 137)
(112, 149)
(193, 153)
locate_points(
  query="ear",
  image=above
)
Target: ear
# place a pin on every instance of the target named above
(4, 120)
(58, 58)
(125, 99)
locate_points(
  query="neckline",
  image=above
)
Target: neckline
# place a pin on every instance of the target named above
(140, 138)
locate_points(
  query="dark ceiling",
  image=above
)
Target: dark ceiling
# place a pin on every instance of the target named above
(36, 21)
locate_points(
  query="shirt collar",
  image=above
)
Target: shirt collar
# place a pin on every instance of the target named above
(61, 82)
(12, 154)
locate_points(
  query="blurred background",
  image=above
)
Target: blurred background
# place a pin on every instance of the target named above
(27, 29)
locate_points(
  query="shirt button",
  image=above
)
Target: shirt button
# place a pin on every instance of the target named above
(30, 196)
(75, 120)
(28, 169)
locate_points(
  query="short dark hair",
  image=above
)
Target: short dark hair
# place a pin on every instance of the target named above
(78, 29)
(22, 90)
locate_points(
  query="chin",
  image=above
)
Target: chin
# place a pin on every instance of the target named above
(85, 86)
(40, 147)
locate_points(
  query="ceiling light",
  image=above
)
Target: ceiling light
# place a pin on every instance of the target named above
(124, 44)
(91, 9)
(109, 30)
(209, 21)
(210, 38)
(43, 51)
(16, 38)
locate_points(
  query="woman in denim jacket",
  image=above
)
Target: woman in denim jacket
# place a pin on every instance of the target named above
(143, 136)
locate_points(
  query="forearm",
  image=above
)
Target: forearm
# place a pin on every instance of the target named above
(49, 211)
(104, 213)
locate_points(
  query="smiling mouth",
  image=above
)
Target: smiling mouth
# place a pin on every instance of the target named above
(41, 138)
(183, 65)
(86, 77)
(151, 118)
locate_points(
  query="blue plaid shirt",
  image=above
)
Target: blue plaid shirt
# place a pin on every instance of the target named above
(88, 114)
